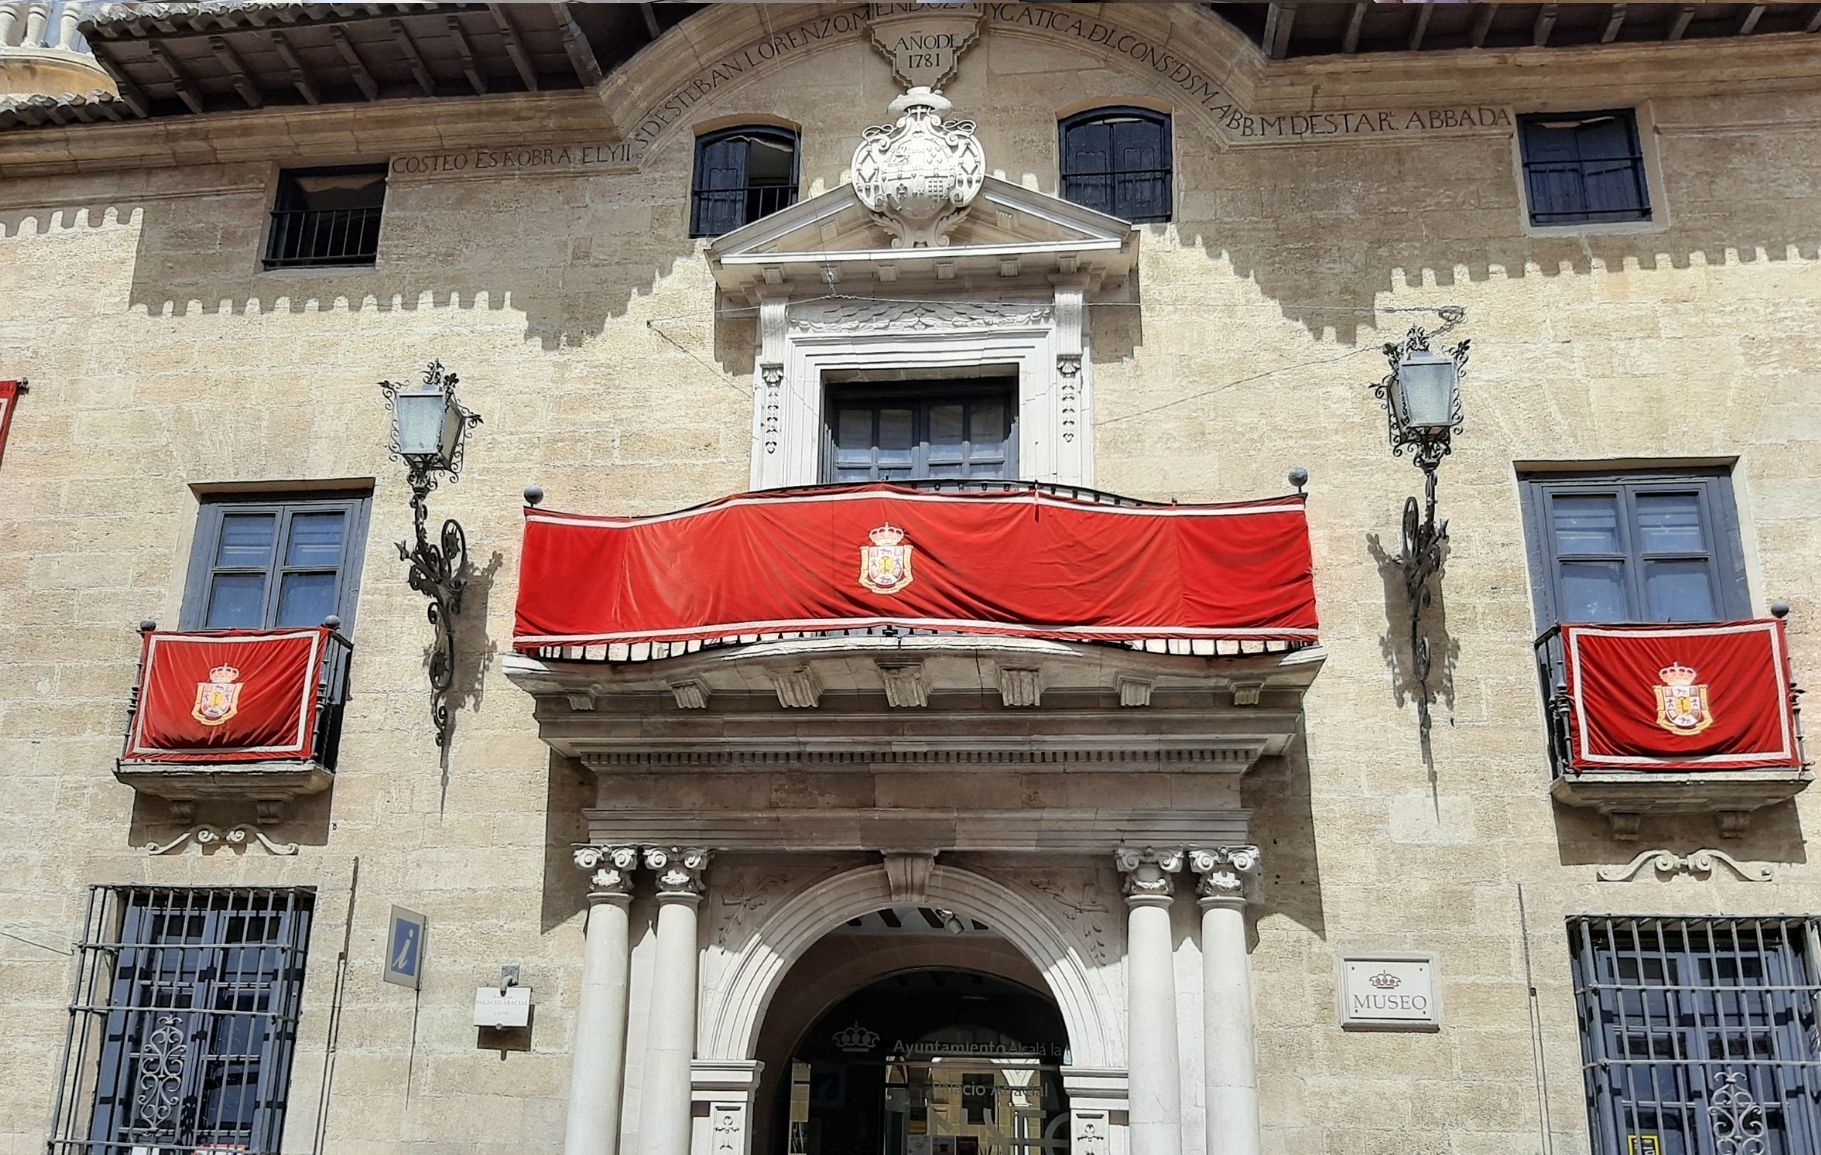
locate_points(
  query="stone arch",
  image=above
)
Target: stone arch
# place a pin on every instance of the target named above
(1207, 75)
(732, 1019)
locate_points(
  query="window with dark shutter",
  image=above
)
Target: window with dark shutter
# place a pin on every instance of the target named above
(1699, 1034)
(326, 216)
(910, 432)
(1635, 547)
(741, 174)
(1117, 161)
(261, 563)
(185, 1020)
(1583, 167)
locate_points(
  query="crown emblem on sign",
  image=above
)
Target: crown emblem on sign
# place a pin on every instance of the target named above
(889, 534)
(1384, 981)
(856, 1039)
(224, 674)
(1677, 675)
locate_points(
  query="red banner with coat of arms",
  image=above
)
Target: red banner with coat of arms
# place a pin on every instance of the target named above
(1029, 563)
(1680, 697)
(9, 396)
(227, 696)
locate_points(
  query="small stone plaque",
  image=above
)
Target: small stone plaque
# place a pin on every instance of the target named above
(496, 1008)
(1389, 992)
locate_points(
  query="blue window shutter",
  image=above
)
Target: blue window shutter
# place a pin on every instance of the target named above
(1138, 147)
(720, 186)
(1612, 177)
(1087, 166)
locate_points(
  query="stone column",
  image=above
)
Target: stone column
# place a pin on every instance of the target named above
(1229, 1029)
(1155, 1111)
(598, 1068)
(664, 1110)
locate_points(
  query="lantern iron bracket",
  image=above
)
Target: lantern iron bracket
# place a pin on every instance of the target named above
(439, 570)
(1424, 535)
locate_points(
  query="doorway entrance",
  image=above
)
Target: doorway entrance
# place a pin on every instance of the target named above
(930, 1061)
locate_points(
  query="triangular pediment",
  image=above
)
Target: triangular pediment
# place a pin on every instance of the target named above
(1010, 233)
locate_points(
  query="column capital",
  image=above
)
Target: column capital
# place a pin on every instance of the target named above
(1228, 873)
(679, 870)
(612, 866)
(1150, 874)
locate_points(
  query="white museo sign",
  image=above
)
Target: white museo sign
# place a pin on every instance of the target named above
(1389, 992)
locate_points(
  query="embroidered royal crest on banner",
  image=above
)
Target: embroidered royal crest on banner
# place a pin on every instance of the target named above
(1682, 706)
(885, 565)
(217, 699)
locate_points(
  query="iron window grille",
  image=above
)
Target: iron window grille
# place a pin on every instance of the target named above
(183, 1021)
(1117, 161)
(326, 216)
(1699, 1036)
(741, 174)
(1583, 167)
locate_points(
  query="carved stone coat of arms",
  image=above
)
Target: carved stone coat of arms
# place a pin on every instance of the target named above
(919, 176)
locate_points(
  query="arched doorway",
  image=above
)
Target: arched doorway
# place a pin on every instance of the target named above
(946, 1044)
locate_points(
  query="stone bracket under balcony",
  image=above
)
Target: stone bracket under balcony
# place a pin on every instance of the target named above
(269, 786)
(1624, 797)
(922, 702)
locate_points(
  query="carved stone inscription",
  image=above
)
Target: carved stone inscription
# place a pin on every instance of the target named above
(535, 158)
(924, 42)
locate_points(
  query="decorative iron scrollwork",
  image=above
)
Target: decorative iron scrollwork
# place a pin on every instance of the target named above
(162, 1065)
(1734, 1117)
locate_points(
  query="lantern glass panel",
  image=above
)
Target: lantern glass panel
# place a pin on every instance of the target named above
(1426, 385)
(419, 418)
(452, 432)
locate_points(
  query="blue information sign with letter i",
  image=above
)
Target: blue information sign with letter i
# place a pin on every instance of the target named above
(405, 948)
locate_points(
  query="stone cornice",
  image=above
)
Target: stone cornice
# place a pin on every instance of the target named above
(1248, 86)
(1052, 831)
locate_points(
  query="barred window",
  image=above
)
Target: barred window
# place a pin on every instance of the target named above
(1583, 167)
(183, 1022)
(1700, 1035)
(741, 174)
(326, 216)
(1117, 161)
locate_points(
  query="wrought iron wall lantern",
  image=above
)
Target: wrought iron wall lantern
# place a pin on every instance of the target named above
(428, 429)
(1422, 397)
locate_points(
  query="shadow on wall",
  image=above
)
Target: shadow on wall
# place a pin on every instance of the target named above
(1322, 242)
(1277, 792)
(1397, 646)
(1773, 835)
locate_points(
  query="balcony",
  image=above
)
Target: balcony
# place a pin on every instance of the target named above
(236, 716)
(1679, 718)
(948, 628)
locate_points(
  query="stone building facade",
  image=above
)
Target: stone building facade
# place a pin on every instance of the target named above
(1133, 891)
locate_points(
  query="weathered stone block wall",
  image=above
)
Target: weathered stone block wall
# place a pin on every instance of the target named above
(582, 321)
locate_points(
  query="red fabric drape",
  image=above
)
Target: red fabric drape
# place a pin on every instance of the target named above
(1680, 697)
(261, 707)
(9, 396)
(1026, 563)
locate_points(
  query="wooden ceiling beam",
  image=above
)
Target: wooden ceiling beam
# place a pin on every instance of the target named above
(357, 67)
(1422, 26)
(514, 49)
(1814, 22)
(238, 76)
(1278, 21)
(1749, 21)
(1615, 19)
(651, 20)
(465, 50)
(300, 77)
(1355, 21)
(414, 59)
(186, 89)
(575, 42)
(1483, 25)
(1545, 24)
(1684, 17)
